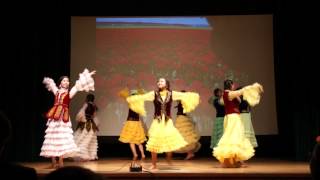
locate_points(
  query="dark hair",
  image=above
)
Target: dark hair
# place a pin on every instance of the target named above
(228, 84)
(216, 91)
(167, 83)
(61, 78)
(73, 172)
(92, 107)
(183, 91)
(90, 98)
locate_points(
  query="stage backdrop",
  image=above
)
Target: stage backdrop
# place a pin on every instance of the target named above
(193, 53)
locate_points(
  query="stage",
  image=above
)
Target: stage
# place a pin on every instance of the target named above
(193, 169)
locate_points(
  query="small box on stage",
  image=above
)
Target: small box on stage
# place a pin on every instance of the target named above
(135, 167)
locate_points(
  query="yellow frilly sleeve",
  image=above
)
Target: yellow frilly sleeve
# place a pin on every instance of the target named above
(252, 93)
(136, 102)
(189, 100)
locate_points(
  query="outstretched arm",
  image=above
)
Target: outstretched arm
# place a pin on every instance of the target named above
(84, 83)
(189, 100)
(235, 94)
(124, 93)
(50, 85)
(136, 102)
(252, 93)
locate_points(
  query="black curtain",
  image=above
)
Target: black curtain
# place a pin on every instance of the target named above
(296, 71)
(36, 46)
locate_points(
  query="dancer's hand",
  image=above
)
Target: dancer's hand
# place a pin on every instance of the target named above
(93, 72)
(124, 93)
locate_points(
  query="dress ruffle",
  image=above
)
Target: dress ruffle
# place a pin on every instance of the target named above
(132, 132)
(217, 131)
(164, 137)
(248, 129)
(187, 129)
(58, 140)
(233, 143)
(87, 143)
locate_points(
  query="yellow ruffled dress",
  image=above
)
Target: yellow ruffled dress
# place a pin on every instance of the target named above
(233, 144)
(188, 131)
(163, 136)
(132, 132)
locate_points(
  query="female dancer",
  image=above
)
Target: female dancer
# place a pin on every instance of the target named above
(59, 140)
(85, 136)
(163, 136)
(187, 129)
(233, 147)
(133, 131)
(217, 129)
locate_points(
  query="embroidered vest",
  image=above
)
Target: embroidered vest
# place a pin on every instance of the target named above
(162, 106)
(60, 110)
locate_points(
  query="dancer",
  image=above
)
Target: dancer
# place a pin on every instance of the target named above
(233, 147)
(163, 136)
(85, 136)
(59, 140)
(187, 129)
(217, 129)
(133, 131)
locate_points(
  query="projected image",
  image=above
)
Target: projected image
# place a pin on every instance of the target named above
(194, 53)
(135, 52)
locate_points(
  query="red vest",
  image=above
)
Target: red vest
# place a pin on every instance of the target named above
(60, 110)
(230, 107)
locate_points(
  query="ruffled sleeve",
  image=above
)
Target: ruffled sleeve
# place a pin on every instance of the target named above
(50, 85)
(189, 100)
(84, 83)
(252, 93)
(136, 102)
